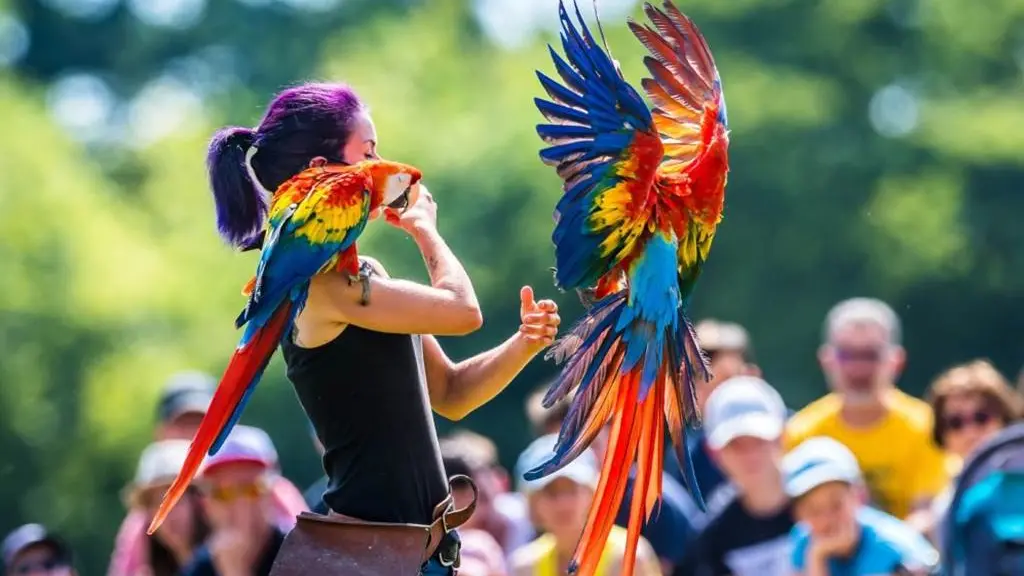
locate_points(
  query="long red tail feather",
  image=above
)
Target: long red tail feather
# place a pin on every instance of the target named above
(245, 364)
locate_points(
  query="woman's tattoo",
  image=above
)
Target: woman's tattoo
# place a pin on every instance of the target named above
(432, 263)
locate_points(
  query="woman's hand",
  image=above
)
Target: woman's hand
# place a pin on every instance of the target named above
(421, 213)
(539, 320)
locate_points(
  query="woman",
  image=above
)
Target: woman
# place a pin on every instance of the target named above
(971, 402)
(185, 529)
(369, 374)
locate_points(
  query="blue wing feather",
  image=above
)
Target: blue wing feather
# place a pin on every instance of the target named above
(593, 117)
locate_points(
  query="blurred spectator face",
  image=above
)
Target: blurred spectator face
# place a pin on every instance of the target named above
(861, 355)
(182, 405)
(158, 465)
(234, 496)
(744, 418)
(561, 508)
(859, 361)
(968, 421)
(828, 508)
(748, 460)
(39, 559)
(177, 531)
(559, 503)
(971, 402)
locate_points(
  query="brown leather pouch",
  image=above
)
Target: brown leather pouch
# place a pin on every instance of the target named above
(337, 545)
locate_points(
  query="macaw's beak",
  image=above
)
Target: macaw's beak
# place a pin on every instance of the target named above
(401, 204)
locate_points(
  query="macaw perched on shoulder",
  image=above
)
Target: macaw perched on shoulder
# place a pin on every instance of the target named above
(312, 227)
(642, 198)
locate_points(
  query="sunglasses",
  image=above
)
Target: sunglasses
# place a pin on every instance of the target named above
(227, 493)
(957, 422)
(872, 355)
(43, 566)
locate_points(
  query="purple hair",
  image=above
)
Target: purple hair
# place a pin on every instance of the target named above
(300, 124)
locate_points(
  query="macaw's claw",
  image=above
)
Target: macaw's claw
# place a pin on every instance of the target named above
(363, 277)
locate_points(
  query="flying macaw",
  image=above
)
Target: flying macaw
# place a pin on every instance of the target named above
(312, 227)
(642, 198)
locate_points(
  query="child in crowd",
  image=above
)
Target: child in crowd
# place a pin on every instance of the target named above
(837, 534)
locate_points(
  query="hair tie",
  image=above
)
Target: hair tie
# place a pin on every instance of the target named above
(252, 173)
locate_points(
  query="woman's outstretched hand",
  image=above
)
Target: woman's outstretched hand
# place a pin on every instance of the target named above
(539, 320)
(421, 213)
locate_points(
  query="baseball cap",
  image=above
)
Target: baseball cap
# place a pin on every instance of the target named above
(715, 335)
(817, 461)
(159, 464)
(244, 444)
(743, 406)
(583, 470)
(184, 392)
(29, 535)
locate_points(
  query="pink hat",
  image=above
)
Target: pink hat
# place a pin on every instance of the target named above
(244, 444)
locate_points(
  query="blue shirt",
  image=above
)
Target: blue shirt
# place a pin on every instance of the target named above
(886, 545)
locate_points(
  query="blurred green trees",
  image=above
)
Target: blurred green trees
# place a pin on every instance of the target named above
(875, 152)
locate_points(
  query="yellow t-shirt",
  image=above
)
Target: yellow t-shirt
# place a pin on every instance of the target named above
(897, 456)
(539, 558)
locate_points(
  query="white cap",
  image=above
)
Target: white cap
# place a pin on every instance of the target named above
(583, 470)
(818, 461)
(159, 464)
(743, 406)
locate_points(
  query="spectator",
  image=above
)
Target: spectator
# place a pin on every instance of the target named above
(972, 402)
(744, 419)
(559, 504)
(181, 407)
(481, 553)
(235, 485)
(675, 521)
(31, 550)
(172, 547)
(888, 431)
(183, 403)
(838, 535)
(500, 514)
(729, 352)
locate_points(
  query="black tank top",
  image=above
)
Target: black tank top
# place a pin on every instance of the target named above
(366, 394)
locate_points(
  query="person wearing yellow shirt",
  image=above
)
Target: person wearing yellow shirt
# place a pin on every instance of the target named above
(558, 505)
(888, 431)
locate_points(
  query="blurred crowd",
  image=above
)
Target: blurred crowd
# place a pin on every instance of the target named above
(866, 480)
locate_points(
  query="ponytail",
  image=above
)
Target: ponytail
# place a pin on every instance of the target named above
(240, 202)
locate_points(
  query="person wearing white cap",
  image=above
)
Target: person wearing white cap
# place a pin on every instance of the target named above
(559, 504)
(837, 534)
(171, 548)
(743, 423)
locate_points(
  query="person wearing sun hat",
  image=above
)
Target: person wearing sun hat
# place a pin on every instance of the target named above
(837, 533)
(559, 504)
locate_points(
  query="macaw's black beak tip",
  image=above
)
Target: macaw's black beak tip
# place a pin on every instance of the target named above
(402, 202)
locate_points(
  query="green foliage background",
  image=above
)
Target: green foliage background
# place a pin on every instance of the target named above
(112, 277)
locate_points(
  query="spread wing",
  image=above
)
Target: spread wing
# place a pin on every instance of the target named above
(605, 147)
(313, 218)
(684, 86)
